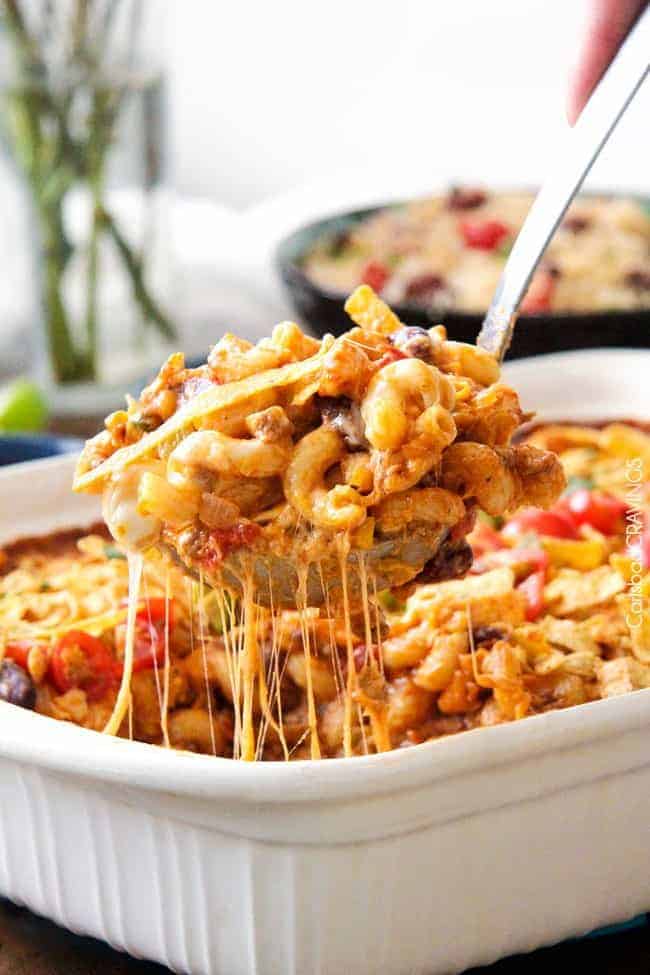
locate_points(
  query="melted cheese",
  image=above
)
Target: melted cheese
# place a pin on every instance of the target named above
(123, 700)
(256, 691)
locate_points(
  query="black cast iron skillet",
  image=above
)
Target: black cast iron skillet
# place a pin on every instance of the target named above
(322, 309)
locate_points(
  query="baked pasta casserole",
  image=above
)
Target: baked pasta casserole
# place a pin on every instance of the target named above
(554, 612)
(299, 473)
(447, 252)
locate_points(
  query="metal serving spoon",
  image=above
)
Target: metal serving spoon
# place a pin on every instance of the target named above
(577, 155)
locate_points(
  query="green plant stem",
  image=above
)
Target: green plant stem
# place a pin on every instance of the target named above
(93, 271)
(133, 265)
(52, 159)
(96, 150)
(67, 364)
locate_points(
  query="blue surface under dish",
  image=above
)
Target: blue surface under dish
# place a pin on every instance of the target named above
(636, 922)
(17, 448)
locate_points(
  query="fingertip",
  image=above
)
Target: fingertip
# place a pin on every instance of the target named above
(572, 108)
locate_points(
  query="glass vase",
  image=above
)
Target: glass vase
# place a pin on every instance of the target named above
(81, 118)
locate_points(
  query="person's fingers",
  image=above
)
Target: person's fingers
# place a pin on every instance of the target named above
(609, 23)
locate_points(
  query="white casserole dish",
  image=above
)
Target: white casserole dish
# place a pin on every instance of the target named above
(422, 861)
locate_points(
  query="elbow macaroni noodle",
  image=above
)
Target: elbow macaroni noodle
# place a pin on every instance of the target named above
(277, 449)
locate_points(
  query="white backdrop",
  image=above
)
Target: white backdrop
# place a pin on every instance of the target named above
(283, 110)
(266, 97)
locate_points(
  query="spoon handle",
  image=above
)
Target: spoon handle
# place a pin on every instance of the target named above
(575, 158)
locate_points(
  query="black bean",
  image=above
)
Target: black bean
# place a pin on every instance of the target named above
(465, 198)
(452, 561)
(638, 279)
(16, 686)
(413, 341)
(488, 634)
(343, 415)
(422, 288)
(576, 224)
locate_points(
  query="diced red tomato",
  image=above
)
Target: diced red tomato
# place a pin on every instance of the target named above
(598, 509)
(224, 540)
(375, 274)
(539, 296)
(533, 589)
(557, 524)
(483, 235)
(84, 661)
(18, 651)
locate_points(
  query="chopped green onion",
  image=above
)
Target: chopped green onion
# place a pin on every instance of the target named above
(113, 552)
(389, 602)
(215, 619)
(505, 248)
(496, 523)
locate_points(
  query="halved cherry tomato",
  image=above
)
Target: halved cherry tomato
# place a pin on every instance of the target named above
(598, 509)
(155, 610)
(81, 660)
(148, 646)
(557, 524)
(375, 274)
(18, 651)
(483, 235)
(149, 642)
(539, 295)
(533, 589)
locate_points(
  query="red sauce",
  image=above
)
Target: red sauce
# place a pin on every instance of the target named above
(392, 355)
(224, 540)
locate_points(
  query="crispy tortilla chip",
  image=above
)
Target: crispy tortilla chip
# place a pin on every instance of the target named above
(490, 598)
(621, 675)
(572, 592)
(217, 403)
(569, 634)
(368, 311)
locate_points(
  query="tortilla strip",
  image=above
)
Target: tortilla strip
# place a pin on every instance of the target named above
(214, 403)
